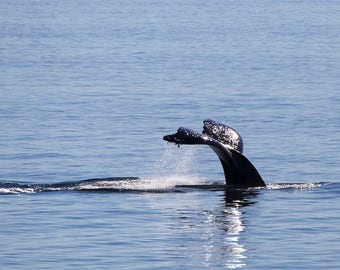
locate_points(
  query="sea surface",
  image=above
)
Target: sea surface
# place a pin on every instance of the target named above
(88, 89)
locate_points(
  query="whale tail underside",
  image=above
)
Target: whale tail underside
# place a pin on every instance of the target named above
(228, 146)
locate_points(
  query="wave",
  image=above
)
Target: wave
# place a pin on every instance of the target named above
(112, 184)
(173, 183)
(282, 186)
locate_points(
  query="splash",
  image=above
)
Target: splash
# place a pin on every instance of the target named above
(174, 183)
(148, 184)
(116, 184)
(16, 190)
(281, 186)
(176, 163)
(175, 171)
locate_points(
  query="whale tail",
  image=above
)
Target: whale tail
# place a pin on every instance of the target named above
(223, 133)
(227, 144)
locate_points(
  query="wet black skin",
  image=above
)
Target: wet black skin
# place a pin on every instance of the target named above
(228, 145)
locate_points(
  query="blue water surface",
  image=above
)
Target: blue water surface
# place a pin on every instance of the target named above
(88, 90)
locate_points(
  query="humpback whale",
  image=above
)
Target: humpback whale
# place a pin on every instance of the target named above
(227, 143)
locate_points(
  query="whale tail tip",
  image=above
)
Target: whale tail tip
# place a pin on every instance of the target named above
(185, 136)
(223, 133)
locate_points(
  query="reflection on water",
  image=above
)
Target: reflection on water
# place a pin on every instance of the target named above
(224, 230)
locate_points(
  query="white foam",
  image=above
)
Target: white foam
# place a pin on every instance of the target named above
(143, 184)
(16, 190)
(294, 186)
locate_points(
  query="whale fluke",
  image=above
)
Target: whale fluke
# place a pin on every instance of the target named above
(228, 145)
(223, 133)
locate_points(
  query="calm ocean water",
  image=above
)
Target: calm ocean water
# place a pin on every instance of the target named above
(87, 90)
